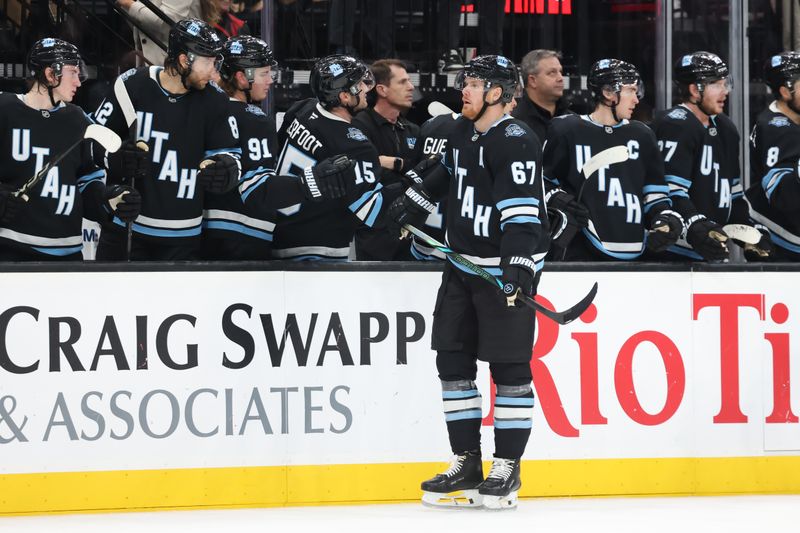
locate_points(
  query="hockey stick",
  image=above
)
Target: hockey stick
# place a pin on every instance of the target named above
(126, 106)
(742, 232)
(102, 135)
(609, 156)
(437, 108)
(561, 317)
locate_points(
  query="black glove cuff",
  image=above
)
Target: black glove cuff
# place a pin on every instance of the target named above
(418, 197)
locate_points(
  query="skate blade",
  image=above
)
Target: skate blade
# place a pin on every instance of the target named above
(460, 499)
(500, 503)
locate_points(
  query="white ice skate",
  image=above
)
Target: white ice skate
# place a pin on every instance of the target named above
(501, 486)
(457, 487)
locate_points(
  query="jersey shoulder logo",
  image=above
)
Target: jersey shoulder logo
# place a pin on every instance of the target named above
(678, 114)
(779, 122)
(254, 109)
(411, 142)
(127, 74)
(514, 130)
(356, 134)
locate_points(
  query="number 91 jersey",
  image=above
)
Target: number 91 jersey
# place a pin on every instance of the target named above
(323, 230)
(495, 204)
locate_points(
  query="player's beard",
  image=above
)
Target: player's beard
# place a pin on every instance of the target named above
(469, 112)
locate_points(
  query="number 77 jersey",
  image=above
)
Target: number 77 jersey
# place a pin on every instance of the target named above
(323, 230)
(495, 203)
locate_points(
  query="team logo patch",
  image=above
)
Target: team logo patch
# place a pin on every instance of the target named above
(508, 288)
(127, 74)
(779, 122)
(236, 48)
(514, 130)
(604, 63)
(712, 132)
(336, 69)
(678, 114)
(47, 43)
(686, 61)
(775, 61)
(502, 61)
(356, 134)
(254, 109)
(411, 142)
(609, 130)
(193, 29)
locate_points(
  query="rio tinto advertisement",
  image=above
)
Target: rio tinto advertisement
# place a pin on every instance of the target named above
(152, 370)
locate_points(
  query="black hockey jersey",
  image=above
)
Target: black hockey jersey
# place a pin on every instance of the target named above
(181, 131)
(226, 217)
(50, 222)
(621, 199)
(701, 167)
(774, 193)
(323, 230)
(496, 196)
(432, 139)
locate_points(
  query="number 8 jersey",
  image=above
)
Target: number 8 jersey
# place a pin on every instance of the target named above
(774, 193)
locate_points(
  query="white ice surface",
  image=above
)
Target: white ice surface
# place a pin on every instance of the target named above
(729, 514)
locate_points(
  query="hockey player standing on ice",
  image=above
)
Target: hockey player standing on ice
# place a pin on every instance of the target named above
(495, 218)
(315, 129)
(700, 148)
(616, 205)
(185, 121)
(231, 230)
(774, 193)
(38, 126)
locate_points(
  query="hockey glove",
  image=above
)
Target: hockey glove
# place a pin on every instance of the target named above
(417, 174)
(125, 202)
(761, 250)
(707, 238)
(518, 275)
(219, 173)
(562, 230)
(412, 208)
(664, 231)
(566, 203)
(10, 204)
(327, 180)
(132, 160)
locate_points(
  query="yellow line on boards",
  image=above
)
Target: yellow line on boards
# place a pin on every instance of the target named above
(395, 482)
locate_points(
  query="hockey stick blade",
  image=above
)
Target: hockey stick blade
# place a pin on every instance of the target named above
(437, 108)
(104, 136)
(742, 232)
(609, 156)
(560, 317)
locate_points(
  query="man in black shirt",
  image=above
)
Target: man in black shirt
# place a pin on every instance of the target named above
(543, 98)
(395, 139)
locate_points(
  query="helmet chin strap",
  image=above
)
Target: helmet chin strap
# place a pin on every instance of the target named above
(486, 105)
(51, 87)
(699, 104)
(790, 102)
(186, 72)
(352, 109)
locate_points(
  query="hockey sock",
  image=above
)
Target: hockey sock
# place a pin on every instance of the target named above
(513, 411)
(462, 412)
